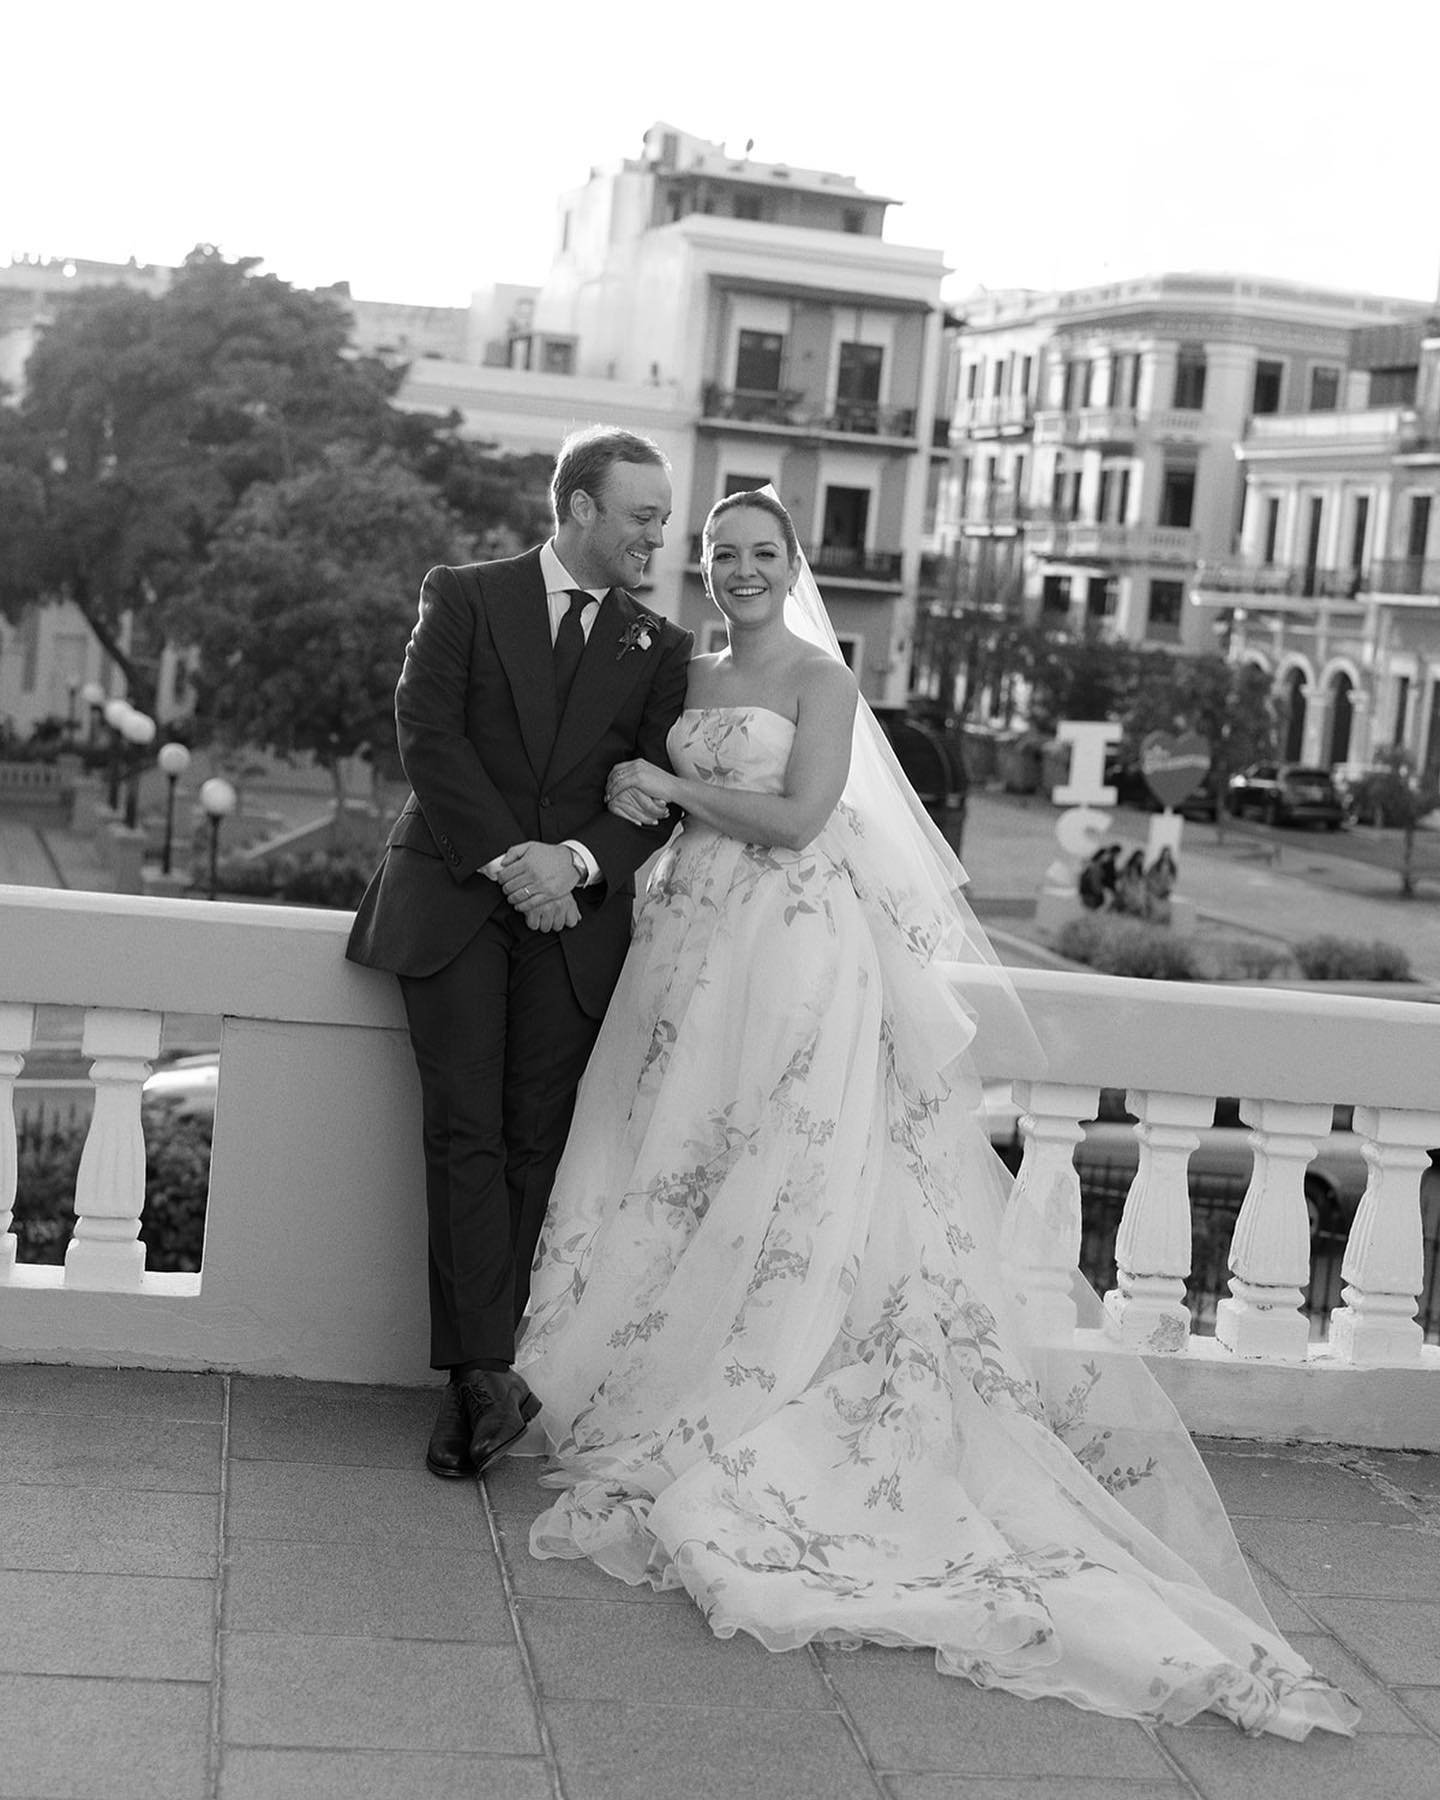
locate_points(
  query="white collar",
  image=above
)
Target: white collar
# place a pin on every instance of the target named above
(558, 579)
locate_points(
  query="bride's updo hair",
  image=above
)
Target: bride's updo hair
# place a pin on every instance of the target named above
(760, 502)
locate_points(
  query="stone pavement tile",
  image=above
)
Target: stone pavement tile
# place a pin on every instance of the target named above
(1030, 1787)
(400, 1590)
(1378, 1708)
(1292, 1487)
(55, 1449)
(1225, 1765)
(1398, 1639)
(610, 1752)
(601, 1650)
(577, 1578)
(330, 1422)
(1287, 1612)
(294, 1692)
(1412, 1471)
(318, 1503)
(380, 1775)
(91, 1739)
(88, 1529)
(1382, 1561)
(148, 1627)
(910, 1717)
(118, 1393)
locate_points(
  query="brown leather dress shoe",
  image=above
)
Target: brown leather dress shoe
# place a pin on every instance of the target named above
(499, 1405)
(448, 1452)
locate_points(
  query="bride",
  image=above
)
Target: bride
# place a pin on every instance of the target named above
(783, 1358)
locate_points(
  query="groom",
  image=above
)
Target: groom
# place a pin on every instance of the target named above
(503, 902)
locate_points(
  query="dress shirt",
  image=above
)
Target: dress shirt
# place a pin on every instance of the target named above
(559, 585)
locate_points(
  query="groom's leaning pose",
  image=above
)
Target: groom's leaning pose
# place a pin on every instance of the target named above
(504, 899)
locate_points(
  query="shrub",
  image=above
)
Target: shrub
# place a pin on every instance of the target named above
(1246, 959)
(1128, 947)
(322, 878)
(177, 1179)
(1351, 959)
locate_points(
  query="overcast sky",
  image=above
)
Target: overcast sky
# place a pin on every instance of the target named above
(418, 151)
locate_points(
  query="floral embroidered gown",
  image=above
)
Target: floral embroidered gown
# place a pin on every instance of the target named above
(781, 1358)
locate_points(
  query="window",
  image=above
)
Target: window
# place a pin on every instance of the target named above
(846, 512)
(1324, 390)
(1190, 378)
(1125, 379)
(852, 219)
(747, 206)
(1055, 596)
(1071, 388)
(1392, 387)
(972, 380)
(1272, 528)
(1122, 501)
(1269, 379)
(1027, 366)
(997, 377)
(1166, 599)
(857, 384)
(1360, 519)
(1419, 531)
(1177, 496)
(1087, 383)
(557, 357)
(757, 362)
(1100, 597)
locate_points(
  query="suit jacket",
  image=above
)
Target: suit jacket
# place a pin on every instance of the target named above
(490, 764)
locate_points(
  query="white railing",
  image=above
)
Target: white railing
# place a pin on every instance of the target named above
(313, 1258)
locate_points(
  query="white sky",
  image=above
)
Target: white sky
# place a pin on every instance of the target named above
(418, 151)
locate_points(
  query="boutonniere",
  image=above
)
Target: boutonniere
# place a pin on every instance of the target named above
(638, 635)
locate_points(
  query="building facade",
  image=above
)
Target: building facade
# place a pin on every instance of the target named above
(1095, 434)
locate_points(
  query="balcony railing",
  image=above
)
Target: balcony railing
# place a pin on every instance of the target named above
(1393, 427)
(312, 1265)
(990, 507)
(792, 410)
(1404, 575)
(1279, 580)
(1115, 543)
(1091, 425)
(995, 413)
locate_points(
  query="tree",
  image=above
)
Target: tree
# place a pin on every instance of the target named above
(302, 610)
(1229, 704)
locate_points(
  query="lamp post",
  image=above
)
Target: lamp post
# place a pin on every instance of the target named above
(174, 760)
(136, 729)
(94, 697)
(217, 797)
(115, 712)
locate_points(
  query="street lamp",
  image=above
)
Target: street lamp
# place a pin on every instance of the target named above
(115, 712)
(94, 697)
(138, 730)
(217, 797)
(174, 760)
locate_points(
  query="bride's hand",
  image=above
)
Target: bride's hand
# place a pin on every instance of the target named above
(632, 806)
(639, 777)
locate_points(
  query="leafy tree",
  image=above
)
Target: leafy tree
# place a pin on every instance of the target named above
(1229, 704)
(301, 613)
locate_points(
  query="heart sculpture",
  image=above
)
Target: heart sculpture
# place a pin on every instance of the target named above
(1174, 766)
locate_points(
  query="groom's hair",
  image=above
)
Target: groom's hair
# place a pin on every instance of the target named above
(586, 458)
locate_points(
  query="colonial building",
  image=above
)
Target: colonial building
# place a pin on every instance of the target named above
(1095, 433)
(1335, 589)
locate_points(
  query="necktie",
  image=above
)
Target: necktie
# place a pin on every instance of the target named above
(569, 647)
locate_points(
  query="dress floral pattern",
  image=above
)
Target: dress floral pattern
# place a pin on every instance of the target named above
(782, 1359)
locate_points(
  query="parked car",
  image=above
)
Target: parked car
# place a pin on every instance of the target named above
(1287, 794)
(1219, 1170)
(188, 1083)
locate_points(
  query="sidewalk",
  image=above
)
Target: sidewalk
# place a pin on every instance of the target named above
(251, 1589)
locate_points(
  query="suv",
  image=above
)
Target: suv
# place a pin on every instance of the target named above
(1287, 794)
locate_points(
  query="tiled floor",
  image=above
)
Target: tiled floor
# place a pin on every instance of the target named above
(251, 1589)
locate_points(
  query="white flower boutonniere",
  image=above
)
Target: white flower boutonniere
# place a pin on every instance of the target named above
(638, 635)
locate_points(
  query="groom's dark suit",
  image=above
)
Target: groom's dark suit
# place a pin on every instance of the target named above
(503, 1017)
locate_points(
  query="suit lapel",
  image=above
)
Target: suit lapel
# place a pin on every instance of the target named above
(520, 628)
(607, 672)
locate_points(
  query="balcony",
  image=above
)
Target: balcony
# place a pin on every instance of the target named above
(1404, 575)
(999, 415)
(1388, 429)
(1098, 425)
(1076, 540)
(245, 1576)
(791, 410)
(1259, 583)
(994, 512)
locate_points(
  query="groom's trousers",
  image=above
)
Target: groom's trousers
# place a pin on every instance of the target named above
(500, 1042)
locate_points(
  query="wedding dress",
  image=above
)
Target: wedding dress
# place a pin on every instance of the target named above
(782, 1358)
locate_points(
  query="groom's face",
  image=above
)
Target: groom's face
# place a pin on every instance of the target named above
(626, 524)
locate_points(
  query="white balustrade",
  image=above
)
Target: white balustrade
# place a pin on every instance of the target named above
(1043, 1218)
(1270, 1251)
(1384, 1265)
(17, 1028)
(105, 1251)
(1153, 1249)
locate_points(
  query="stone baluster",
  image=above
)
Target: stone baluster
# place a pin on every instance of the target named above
(1384, 1266)
(17, 1028)
(1042, 1222)
(1152, 1251)
(1270, 1251)
(105, 1251)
